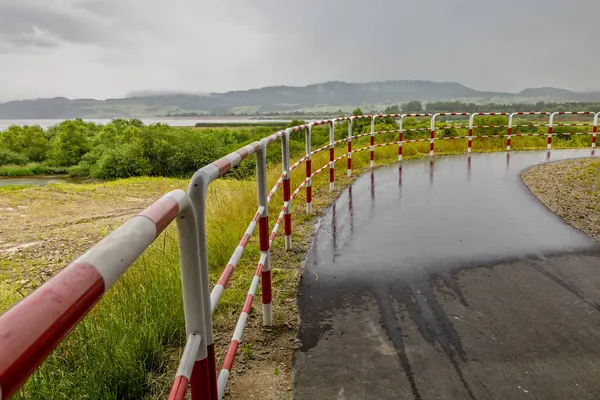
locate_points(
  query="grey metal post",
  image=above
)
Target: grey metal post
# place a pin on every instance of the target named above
(196, 302)
(197, 195)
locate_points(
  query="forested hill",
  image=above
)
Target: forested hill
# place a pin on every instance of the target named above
(322, 97)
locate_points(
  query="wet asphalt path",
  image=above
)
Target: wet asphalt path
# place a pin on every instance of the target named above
(448, 279)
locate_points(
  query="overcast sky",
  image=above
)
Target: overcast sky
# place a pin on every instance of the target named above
(107, 48)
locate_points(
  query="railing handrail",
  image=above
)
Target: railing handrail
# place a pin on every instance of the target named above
(32, 328)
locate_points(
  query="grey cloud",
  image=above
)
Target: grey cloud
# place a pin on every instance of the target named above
(495, 45)
(20, 21)
(234, 44)
(50, 23)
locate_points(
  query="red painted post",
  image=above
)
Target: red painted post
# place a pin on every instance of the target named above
(179, 388)
(595, 130)
(400, 137)
(263, 232)
(372, 147)
(470, 139)
(308, 169)
(287, 216)
(349, 156)
(550, 121)
(331, 153)
(400, 141)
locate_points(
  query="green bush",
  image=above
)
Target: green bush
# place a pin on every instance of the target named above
(11, 157)
(70, 143)
(122, 162)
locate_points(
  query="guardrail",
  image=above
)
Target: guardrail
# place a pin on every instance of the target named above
(32, 329)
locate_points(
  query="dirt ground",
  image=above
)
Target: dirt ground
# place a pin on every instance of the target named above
(43, 228)
(571, 189)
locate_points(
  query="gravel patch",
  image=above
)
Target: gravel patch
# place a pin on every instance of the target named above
(571, 189)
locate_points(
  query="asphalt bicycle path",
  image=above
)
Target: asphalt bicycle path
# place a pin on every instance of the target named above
(446, 278)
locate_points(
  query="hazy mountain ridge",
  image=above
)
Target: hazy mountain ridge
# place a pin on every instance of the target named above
(278, 99)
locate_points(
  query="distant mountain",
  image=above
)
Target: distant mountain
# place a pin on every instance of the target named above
(553, 94)
(149, 93)
(324, 97)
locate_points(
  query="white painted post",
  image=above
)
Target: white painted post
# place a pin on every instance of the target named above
(550, 121)
(432, 134)
(510, 120)
(470, 139)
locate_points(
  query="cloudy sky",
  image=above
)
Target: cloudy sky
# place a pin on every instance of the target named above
(107, 48)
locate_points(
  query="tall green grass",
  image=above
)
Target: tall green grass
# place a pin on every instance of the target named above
(124, 349)
(30, 169)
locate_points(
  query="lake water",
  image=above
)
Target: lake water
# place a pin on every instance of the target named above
(182, 121)
(33, 181)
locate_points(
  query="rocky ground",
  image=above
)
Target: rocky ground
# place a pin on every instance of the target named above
(571, 189)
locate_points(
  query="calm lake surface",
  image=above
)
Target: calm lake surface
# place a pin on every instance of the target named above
(183, 121)
(33, 181)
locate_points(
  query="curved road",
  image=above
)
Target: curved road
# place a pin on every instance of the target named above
(448, 279)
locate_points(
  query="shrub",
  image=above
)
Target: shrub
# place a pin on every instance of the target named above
(11, 157)
(123, 162)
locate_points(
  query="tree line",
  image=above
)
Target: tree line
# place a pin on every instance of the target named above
(458, 106)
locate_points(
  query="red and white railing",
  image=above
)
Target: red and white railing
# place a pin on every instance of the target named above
(32, 329)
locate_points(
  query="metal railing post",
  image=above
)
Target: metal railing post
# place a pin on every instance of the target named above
(550, 121)
(372, 147)
(197, 194)
(263, 232)
(470, 139)
(432, 134)
(194, 298)
(509, 133)
(349, 156)
(331, 153)
(400, 137)
(287, 216)
(308, 169)
(595, 130)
